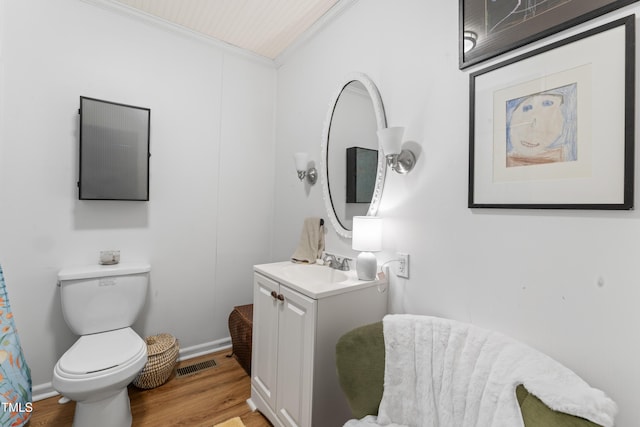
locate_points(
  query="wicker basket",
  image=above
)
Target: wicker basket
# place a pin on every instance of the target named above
(162, 352)
(241, 331)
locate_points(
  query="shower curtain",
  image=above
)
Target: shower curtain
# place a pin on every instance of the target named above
(15, 375)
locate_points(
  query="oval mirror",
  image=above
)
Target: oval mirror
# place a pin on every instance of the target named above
(352, 167)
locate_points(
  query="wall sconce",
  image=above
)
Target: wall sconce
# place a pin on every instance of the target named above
(470, 39)
(367, 237)
(302, 161)
(400, 160)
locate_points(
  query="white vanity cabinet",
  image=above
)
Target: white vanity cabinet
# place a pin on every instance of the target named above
(297, 321)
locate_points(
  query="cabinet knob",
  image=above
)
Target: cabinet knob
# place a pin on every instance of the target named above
(274, 294)
(281, 297)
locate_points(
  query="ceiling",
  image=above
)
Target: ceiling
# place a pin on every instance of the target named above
(265, 27)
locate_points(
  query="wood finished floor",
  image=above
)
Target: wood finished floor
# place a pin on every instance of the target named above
(199, 400)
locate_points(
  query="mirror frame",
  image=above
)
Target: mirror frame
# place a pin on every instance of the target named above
(381, 121)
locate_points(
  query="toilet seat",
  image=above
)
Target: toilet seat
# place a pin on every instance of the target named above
(102, 353)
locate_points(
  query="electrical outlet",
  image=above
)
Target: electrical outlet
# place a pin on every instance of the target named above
(403, 268)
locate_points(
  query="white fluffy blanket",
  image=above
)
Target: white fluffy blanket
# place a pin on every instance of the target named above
(443, 373)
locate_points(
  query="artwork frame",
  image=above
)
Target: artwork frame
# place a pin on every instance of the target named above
(492, 30)
(600, 175)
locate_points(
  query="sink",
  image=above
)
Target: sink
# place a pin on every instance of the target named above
(314, 280)
(314, 274)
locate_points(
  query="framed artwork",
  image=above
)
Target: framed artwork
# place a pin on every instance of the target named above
(491, 27)
(554, 128)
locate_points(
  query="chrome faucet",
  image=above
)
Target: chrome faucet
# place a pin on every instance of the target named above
(335, 263)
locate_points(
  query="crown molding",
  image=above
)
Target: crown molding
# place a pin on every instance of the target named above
(336, 10)
(125, 10)
(148, 18)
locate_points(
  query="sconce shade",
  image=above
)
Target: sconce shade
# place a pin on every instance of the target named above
(401, 161)
(391, 139)
(302, 159)
(470, 39)
(367, 233)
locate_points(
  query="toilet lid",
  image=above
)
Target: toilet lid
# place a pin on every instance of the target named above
(102, 351)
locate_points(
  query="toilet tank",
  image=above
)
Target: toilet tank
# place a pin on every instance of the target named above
(100, 298)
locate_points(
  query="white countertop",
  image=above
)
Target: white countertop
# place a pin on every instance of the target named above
(321, 281)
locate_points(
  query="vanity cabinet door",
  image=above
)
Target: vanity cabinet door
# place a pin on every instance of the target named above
(265, 338)
(296, 348)
(295, 331)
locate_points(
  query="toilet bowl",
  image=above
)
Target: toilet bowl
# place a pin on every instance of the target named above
(100, 304)
(95, 373)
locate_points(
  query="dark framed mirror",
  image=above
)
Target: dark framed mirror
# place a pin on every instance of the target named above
(114, 151)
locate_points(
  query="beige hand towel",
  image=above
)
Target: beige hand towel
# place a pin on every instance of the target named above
(311, 243)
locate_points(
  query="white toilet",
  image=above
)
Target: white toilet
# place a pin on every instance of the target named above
(100, 303)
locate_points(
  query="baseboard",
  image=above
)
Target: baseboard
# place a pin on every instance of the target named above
(46, 390)
(43, 391)
(205, 348)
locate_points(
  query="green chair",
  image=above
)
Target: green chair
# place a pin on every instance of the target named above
(360, 364)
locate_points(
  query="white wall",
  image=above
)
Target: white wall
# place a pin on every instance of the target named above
(531, 274)
(211, 111)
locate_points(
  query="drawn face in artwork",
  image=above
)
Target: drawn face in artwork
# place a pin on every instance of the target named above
(536, 123)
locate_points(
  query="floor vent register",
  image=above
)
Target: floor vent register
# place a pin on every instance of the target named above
(184, 371)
